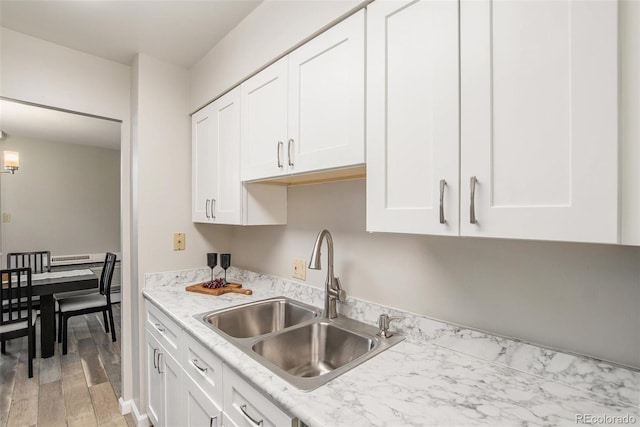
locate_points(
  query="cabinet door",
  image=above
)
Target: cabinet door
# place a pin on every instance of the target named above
(200, 410)
(171, 372)
(412, 124)
(155, 385)
(264, 123)
(539, 119)
(244, 406)
(203, 176)
(326, 99)
(226, 206)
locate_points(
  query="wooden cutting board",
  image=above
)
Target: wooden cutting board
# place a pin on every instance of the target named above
(229, 287)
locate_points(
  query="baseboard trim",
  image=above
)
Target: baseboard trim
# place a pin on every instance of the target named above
(129, 407)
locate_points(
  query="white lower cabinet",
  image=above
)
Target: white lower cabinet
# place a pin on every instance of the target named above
(245, 406)
(188, 385)
(200, 409)
(164, 377)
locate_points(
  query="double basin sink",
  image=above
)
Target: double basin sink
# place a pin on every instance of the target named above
(292, 340)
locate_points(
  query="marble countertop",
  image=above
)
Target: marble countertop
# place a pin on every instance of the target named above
(415, 383)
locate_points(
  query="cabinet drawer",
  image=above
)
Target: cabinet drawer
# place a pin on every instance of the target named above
(164, 329)
(201, 410)
(203, 367)
(246, 407)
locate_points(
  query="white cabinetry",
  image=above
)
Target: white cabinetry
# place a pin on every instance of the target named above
(305, 112)
(188, 385)
(538, 119)
(218, 194)
(412, 124)
(217, 190)
(246, 407)
(164, 373)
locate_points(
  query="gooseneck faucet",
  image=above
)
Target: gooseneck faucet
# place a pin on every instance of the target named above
(333, 290)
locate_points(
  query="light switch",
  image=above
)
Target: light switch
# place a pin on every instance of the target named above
(178, 241)
(6, 217)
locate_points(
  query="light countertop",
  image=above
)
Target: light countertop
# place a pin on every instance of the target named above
(416, 382)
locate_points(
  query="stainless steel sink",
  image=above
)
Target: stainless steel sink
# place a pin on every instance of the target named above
(261, 317)
(314, 349)
(294, 342)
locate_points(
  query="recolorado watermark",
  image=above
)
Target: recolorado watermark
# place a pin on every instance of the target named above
(604, 419)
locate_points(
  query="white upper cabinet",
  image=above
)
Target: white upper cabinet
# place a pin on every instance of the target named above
(412, 124)
(305, 112)
(538, 143)
(264, 123)
(326, 99)
(539, 119)
(217, 190)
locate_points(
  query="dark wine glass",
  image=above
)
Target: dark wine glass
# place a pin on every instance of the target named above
(225, 262)
(212, 261)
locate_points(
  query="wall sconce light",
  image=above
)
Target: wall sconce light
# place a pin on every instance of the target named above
(11, 162)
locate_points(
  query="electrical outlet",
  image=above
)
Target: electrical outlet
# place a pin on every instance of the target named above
(6, 217)
(299, 269)
(178, 241)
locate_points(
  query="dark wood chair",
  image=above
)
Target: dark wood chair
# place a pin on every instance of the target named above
(18, 315)
(38, 262)
(92, 303)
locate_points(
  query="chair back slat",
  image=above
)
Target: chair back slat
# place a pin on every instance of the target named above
(107, 274)
(16, 295)
(38, 262)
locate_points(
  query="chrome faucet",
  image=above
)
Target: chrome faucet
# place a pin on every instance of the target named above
(333, 290)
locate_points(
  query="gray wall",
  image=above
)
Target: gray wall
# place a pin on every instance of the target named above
(64, 198)
(578, 297)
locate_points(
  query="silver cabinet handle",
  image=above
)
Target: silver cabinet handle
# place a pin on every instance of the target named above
(194, 362)
(280, 145)
(206, 209)
(155, 364)
(443, 184)
(472, 213)
(213, 209)
(290, 143)
(211, 420)
(159, 327)
(243, 408)
(159, 371)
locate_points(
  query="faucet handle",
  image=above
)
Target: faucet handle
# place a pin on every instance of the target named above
(341, 294)
(383, 325)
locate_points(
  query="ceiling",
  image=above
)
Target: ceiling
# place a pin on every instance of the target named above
(175, 31)
(28, 121)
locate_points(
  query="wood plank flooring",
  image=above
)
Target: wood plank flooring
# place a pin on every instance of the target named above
(80, 388)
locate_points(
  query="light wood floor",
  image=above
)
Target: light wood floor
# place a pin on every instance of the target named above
(80, 388)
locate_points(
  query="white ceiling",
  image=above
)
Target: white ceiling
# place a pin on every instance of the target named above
(44, 124)
(176, 31)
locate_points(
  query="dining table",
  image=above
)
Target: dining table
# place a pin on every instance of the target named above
(46, 285)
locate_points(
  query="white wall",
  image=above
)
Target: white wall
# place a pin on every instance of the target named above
(45, 73)
(64, 198)
(575, 297)
(161, 142)
(578, 297)
(274, 27)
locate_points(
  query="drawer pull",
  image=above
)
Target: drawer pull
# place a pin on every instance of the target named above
(159, 371)
(211, 420)
(194, 362)
(155, 364)
(243, 408)
(159, 327)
